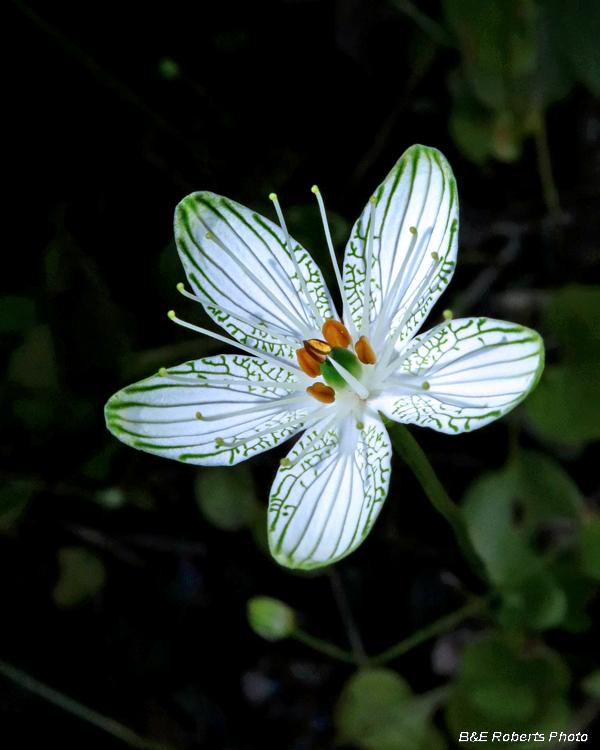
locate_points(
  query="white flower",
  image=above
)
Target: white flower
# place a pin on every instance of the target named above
(220, 410)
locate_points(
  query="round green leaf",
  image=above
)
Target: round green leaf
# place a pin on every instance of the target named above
(81, 575)
(226, 497)
(376, 711)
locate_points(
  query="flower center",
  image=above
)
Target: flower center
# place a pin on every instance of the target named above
(341, 368)
(348, 361)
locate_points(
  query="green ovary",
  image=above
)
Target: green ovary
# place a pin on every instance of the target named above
(348, 361)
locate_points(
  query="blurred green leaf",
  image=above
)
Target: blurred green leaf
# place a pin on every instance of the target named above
(33, 364)
(565, 407)
(497, 683)
(573, 317)
(377, 711)
(511, 71)
(169, 68)
(259, 524)
(16, 314)
(270, 618)
(506, 136)
(15, 496)
(575, 28)
(81, 575)
(226, 497)
(590, 548)
(482, 33)
(507, 513)
(591, 684)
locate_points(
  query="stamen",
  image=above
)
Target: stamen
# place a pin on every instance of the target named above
(408, 311)
(287, 312)
(193, 381)
(285, 340)
(447, 315)
(336, 334)
(232, 342)
(317, 349)
(393, 293)
(361, 391)
(346, 306)
(323, 393)
(291, 251)
(308, 364)
(274, 403)
(364, 351)
(360, 425)
(425, 385)
(366, 316)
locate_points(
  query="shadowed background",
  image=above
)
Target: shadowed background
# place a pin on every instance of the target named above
(126, 577)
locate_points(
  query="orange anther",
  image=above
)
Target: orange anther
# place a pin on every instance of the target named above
(322, 393)
(317, 349)
(336, 334)
(364, 351)
(309, 365)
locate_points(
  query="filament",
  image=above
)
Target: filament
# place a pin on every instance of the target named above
(233, 342)
(315, 310)
(285, 340)
(288, 313)
(347, 315)
(393, 293)
(366, 316)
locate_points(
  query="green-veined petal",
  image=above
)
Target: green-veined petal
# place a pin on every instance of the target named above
(322, 507)
(408, 271)
(159, 414)
(246, 269)
(464, 374)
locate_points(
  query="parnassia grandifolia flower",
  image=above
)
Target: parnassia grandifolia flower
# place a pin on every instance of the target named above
(303, 367)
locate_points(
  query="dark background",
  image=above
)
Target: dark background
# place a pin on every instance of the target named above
(103, 140)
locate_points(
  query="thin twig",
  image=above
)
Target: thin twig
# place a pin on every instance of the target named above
(411, 453)
(545, 167)
(78, 709)
(443, 625)
(323, 647)
(341, 599)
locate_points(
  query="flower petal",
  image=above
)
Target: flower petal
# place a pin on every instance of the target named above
(323, 506)
(474, 369)
(246, 269)
(406, 278)
(159, 414)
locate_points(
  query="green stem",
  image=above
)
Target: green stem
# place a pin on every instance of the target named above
(545, 166)
(444, 624)
(323, 647)
(339, 594)
(78, 709)
(412, 454)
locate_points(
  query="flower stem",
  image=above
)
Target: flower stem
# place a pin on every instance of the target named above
(412, 454)
(339, 594)
(444, 624)
(545, 166)
(323, 647)
(78, 709)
